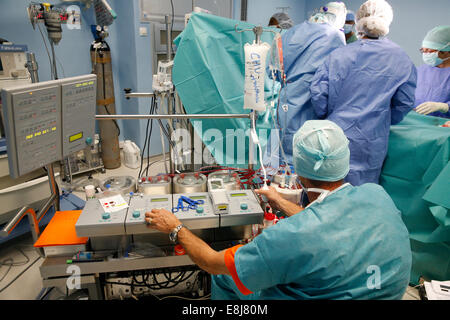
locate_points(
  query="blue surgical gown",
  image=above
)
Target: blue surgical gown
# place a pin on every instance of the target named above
(305, 48)
(353, 245)
(433, 85)
(364, 88)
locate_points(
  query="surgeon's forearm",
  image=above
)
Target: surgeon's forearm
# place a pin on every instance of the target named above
(202, 254)
(289, 208)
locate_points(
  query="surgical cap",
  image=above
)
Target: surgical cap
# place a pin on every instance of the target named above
(339, 10)
(321, 151)
(374, 18)
(333, 13)
(283, 20)
(438, 39)
(350, 16)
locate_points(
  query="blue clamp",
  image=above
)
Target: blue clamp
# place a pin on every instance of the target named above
(192, 204)
(180, 206)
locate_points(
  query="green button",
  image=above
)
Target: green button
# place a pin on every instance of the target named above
(200, 209)
(88, 141)
(244, 206)
(106, 216)
(136, 214)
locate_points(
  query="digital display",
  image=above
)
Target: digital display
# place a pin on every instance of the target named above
(76, 137)
(159, 200)
(197, 197)
(238, 194)
(84, 84)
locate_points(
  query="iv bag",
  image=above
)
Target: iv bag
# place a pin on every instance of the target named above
(255, 72)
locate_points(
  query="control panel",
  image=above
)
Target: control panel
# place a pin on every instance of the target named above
(78, 110)
(47, 121)
(244, 208)
(139, 205)
(32, 119)
(194, 210)
(198, 216)
(95, 220)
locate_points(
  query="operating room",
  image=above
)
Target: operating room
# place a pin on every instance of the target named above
(192, 150)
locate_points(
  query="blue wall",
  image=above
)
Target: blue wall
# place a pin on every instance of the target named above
(260, 11)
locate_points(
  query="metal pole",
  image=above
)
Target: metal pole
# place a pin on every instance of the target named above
(139, 95)
(169, 95)
(168, 38)
(172, 116)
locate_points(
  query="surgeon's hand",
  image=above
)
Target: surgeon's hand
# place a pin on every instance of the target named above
(161, 220)
(272, 195)
(430, 107)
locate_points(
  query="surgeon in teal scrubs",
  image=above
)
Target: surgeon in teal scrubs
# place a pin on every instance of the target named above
(347, 243)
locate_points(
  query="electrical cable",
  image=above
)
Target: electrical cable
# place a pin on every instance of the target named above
(46, 49)
(151, 111)
(13, 280)
(55, 72)
(143, 148)
(150, 134)
(154, 162)
(13, 264)
(46, 294)
(156, 285)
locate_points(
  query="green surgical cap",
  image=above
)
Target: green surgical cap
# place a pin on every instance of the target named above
(320, 151)
(438, 39)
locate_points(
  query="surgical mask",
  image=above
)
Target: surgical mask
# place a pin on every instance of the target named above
(348, 28)
(305, 201)
(432, 58)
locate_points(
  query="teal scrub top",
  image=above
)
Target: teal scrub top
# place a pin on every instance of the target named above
(353, 245)
(352, 39)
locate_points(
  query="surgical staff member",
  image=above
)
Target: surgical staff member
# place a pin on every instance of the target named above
(348, 243)
(433, 78)
(365, 87)
(281, 20)
(305, 47)
(349, 28)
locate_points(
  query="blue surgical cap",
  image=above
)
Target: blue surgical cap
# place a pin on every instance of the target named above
(320, 151)
(438, 39)
(350, 16)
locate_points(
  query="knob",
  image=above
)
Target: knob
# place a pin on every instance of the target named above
(136, 214)
(244, 206)
(106, 216)
(88, 141)
(200, 209)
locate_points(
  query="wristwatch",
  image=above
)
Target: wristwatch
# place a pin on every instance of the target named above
(173, 236)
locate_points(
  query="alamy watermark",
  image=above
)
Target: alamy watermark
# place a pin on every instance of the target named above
(228, 146)
(374, 280)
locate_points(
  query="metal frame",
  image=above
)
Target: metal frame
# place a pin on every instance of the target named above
(54, 271)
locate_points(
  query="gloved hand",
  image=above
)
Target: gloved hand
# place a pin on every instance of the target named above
(430, 107)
